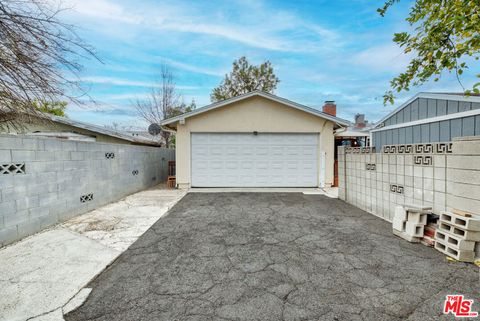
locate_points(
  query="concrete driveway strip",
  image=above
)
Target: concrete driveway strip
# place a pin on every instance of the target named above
(41, 274)
(274, 256)
(44, 271)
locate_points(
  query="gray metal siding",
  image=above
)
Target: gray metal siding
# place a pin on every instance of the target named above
(452, 107)
(377, 139)
(434, 132)
(393, 120)
(463, 106)
(477, 125)
(402, 137)
(468, 126)
(431, 108)
(407, 111)
(400, 117)
(414, 110)
(423, 108)
(417, 136)
(409, 135)
(456, 127)
(389, 137)
(443, 131)
(395, 136)
(425, 130)
(441, 107)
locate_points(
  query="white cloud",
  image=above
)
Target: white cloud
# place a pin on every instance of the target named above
(191, 68)
(126, 82)
(269, 28)
(386, 57)
(103, 9)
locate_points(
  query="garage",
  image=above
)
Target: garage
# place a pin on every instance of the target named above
(255, 140)
(254, 160)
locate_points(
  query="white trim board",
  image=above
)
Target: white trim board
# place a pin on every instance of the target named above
(430, 120)
(471, 99)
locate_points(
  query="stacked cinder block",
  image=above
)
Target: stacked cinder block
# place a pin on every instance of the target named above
(409, 222)
(456, 236)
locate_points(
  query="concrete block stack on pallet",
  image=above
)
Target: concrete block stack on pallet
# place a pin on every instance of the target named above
(409, 222)
(456, 235)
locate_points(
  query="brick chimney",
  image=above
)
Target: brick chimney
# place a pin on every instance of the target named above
(330, 108)
(360, 121)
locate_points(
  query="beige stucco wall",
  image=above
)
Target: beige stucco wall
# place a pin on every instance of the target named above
(253, 114)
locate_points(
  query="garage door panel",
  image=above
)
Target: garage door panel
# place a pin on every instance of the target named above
(200, 165)
(308, 165)
(262, 179)
(247, 160)
(231, 150)
(277, 165)
(249, 165)
(277, 151)
(262, 165)
(261, 150)
(233, 165)
(307, 152)
(247, 150)
(216, 165)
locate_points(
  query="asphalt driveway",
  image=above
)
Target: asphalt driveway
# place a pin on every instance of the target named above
(274, 256)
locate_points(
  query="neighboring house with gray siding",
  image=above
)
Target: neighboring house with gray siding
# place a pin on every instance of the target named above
(429, 117)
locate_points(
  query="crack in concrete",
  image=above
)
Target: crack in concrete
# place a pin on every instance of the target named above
(264, 256)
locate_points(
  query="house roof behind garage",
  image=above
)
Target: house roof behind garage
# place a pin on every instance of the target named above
(315, 112)
(444, 96)
(102, 130)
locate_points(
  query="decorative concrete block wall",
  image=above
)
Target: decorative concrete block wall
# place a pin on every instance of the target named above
(44, 181)
(441, 175)
(399, 174)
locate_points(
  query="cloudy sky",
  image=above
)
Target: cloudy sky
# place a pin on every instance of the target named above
(321, 50)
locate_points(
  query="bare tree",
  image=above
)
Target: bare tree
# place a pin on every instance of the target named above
(38, 55)
(163, 102)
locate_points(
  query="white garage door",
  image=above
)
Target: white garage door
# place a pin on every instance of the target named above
(247, 160)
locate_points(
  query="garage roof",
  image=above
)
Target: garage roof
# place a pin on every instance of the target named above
(315, 112)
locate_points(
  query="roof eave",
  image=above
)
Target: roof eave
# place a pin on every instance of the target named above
(98, 130)
(339, 121)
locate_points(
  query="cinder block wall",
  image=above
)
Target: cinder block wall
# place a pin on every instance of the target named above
(44, 181)
(399, 174)
(463, 175)
(440, 175)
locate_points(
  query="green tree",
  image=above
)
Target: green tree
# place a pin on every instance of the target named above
(56, 108)
(443, 34)
(191, 107)
(182, 108)
(245, 78)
